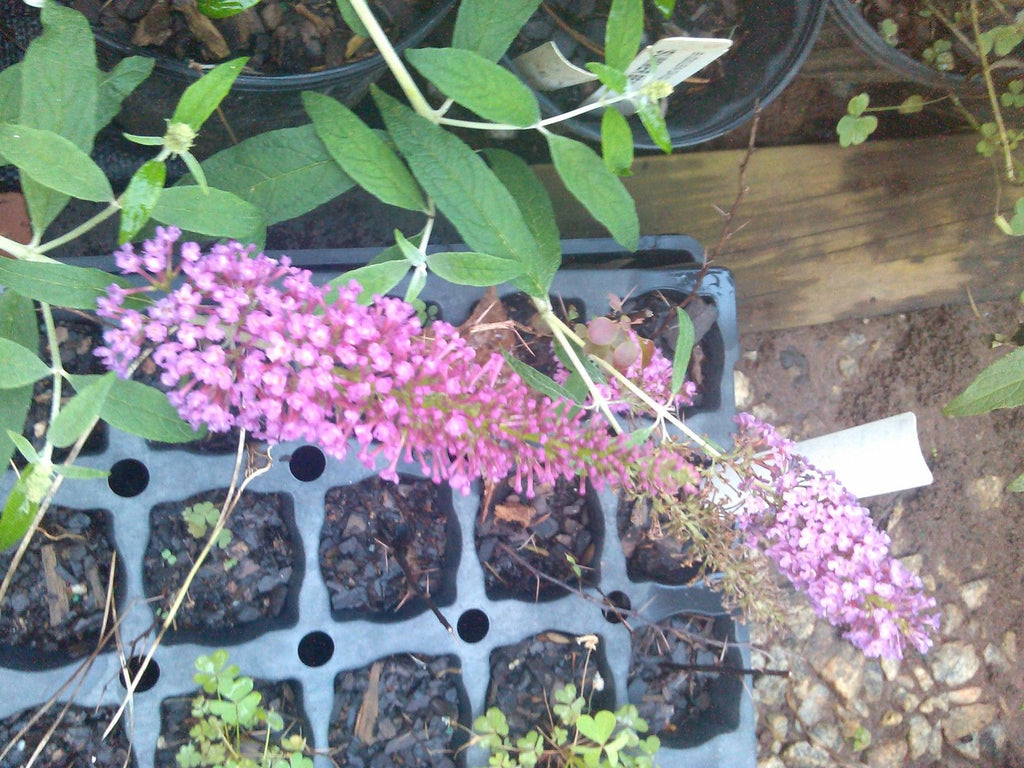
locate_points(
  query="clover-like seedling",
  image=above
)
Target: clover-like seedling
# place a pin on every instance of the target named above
(890, 32)
(855, 127)
(940, 55)
(229, 711)
(200, 518)
(1013, 96)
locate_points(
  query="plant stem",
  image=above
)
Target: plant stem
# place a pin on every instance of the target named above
(483, 126)
(662, 412)
(990, 87)
(56, 367)
(394, 62)
(81, 229)
(566, 340)
(16, 249)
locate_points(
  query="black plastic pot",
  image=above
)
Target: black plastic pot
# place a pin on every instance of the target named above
(312, 646)
(779, 36)
(850, 19)
(256, 103)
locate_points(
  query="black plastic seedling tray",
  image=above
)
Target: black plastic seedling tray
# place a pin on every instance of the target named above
(271, 651)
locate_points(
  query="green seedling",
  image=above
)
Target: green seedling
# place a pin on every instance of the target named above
(202, 517)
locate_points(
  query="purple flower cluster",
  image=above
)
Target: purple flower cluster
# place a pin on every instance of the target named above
(825, 542)
(248, 341)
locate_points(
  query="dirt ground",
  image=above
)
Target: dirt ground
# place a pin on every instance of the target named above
(965, 527)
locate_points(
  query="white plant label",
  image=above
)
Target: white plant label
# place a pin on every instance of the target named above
(545, 69)
(670, 60)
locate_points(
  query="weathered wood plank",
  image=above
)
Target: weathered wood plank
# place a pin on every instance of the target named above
(832, 233)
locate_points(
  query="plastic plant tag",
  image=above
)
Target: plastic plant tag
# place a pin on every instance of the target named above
(875, 458)
(670, 60)
(545, 69)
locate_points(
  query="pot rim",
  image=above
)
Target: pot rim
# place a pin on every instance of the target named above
(182, 71)
(864, 36)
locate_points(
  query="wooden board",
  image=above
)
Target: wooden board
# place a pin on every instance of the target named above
(830, 233)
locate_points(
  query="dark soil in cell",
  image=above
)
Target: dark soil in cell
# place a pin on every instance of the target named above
(77, 743)
(525, 675)
(403, 710)
(652, 551)
(254, 579)
(674, 682)
(54, 608)
(520, 541)
(279, 37)
(284, 698)
(386, 547)
(77, 337)
(534, 346)
(655, 318)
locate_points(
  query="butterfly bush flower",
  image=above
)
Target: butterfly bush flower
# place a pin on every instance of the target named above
(825, 542)
(250, 342)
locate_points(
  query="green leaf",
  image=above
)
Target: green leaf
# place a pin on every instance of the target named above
(18, 510)
(478, 269)
(858, 104)
(54, 162)
(362, 154)
(598, 727)
(60, 78)
(478, 84)
(10, 96)
(205, 94)
(536, 209)
(463, 187)
(665, 7)
(376, 279)
(61, 284)
(416, 283)
(80, 412)
(613, 79)
(537, 381)
(911, 104)
(684, 348)
(218, 213)
(616, 143)
(17, 324)
(489, 26)
(145, 411)
(25, 448)
(59, 82)
(351, 18)
(1001, 385)
(409, 251)
(1017, 486)
(223, 9)
(20, 367)
(195, 170)
(602, 194)
(115, 85)
(653, 120)
(75, 472)
(855, 130)
(623, 32)
(285, 173)
(139, 198)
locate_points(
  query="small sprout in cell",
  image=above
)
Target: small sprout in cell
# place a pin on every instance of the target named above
(890, 32)
(169, 557)
(203, 516)
(940, 55)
